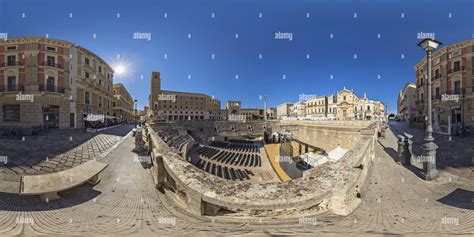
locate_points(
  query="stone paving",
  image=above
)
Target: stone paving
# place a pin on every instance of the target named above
(395, 201)
(56, 151)
(455, 156)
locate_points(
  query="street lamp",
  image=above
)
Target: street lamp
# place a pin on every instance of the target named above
(429, 148)
(136, 112)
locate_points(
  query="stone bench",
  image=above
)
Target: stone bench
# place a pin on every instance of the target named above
(47, 186)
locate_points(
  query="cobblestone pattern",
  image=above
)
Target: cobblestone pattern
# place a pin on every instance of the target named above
(56, 152)
(455, 156)
(395, 201)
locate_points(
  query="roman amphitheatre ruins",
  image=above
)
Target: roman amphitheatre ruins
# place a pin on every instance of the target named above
(224, 178)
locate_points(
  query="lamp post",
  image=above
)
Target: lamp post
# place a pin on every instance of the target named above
(429, 148)
(136, 112)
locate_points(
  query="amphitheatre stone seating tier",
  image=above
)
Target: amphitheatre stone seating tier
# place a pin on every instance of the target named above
(177, 138)
(331, 186)
(48, 185)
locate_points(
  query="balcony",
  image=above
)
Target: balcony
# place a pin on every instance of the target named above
(436, 97)
(50, 88)
(10, 64)
(436, 77)
(51, 64)
(457, 91)
(12, 87)
(456, 69)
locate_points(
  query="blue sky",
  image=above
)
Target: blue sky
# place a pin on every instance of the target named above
(379, 69)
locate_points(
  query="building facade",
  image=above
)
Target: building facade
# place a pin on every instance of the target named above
(122, 104)
(452, 88)
(406, 102)
(317, 107)
(283, 110)
(180, 106)
(298, 109)
(343, 105)
(51, 83)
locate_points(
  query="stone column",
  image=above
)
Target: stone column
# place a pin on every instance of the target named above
(401, 148)
(408, 149)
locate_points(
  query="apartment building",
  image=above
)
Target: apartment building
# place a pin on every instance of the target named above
(51, 83)
(123, 103)
(317, 107)
(283, 110)
(451, 90)
(406, 102)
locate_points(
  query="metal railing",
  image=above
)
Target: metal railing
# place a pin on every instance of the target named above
(456, 69)
(12, 87)
(51, 64)
(51, 88)
(9, 64)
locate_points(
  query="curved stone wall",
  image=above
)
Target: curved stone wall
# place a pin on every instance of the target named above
(332, 186)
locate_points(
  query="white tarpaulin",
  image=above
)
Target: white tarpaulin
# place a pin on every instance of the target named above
(337, 154)
(314, 159)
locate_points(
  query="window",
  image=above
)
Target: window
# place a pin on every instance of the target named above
(437, 92)
(87, 61)
(437, 75)
(455, 54)
(344, 98)
(87, 98)
(11, 60)
(457, 87)
(368, 107)
(100, 69)
(87, 75)
(49, 48)
(50, 60)
(11, 86)
(114, 104)
(10, 48)
(456, 66)
(100, 101)
(50, 84)
(11, 113)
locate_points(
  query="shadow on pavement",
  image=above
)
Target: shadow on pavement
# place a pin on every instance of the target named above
(69, 198)
(459, 198)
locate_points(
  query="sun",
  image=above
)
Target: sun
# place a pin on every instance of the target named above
(120, 69)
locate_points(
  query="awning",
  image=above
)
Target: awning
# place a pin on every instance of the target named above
(337, 154)
(314, 159)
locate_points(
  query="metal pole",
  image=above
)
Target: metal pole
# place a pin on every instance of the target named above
(429, 148)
